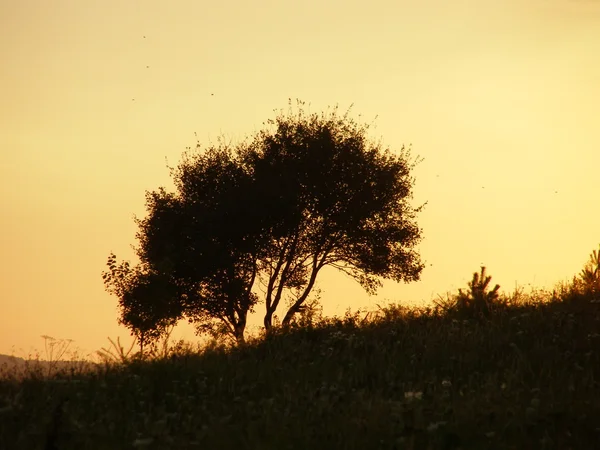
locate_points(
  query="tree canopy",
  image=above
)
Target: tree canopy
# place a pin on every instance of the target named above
(261, 219)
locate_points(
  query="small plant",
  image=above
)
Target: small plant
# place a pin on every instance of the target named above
(164, 349)
(310, 313)
(447, 304)
(119, 355)
(584, 286)
(590, 274)
(55, 349)
(477, 301)
(155, 350)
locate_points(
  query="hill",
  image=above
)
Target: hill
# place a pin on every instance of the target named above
(9, 361)
(18, 365)
(526, 376)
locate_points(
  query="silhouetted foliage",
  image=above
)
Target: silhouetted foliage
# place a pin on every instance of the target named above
(337, 200)
(584, 286)
(192, 245)
(590, 274)
(306, 192)
(477, 302)
(478, 298)
(146, 299)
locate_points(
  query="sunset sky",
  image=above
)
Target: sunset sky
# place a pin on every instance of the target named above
(500, 97)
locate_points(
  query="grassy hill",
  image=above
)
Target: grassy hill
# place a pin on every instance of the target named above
(527, 375)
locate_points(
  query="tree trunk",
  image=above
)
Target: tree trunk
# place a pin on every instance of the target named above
(238, 329)
(296, 306)
(268, 321)
(239, 336)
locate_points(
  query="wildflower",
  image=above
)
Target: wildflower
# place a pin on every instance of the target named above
(142, 442)
(337, 335)
(434, 426)
(446, 383)
(413, 395)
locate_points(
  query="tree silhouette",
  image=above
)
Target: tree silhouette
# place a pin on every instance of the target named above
(146, 299)
(264, 217)
(478, 299)
(590, 274)
(192, 246)
(338, 201)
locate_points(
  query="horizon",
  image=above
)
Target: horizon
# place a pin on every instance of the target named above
(500, 101)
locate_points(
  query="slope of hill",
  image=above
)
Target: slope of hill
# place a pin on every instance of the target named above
(18, 365)
(524, 377)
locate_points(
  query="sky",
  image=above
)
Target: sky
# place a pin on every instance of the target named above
(500, 99)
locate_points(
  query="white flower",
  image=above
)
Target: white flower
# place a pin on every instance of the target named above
(446, 383)
(434, 426)
(142, 442)
(413, 395)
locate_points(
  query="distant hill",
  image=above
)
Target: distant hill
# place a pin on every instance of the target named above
(9, 363)
(10, 360)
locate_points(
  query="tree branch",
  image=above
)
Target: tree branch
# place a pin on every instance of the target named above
(317, 266)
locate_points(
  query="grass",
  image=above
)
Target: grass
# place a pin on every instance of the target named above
(525, 376)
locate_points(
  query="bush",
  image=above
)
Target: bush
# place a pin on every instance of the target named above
(477, 302)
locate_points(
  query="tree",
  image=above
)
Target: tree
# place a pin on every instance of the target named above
(195, 237)
(266, 216)
(590, 274)
(338, 201)
(478, 299)
(146, 300)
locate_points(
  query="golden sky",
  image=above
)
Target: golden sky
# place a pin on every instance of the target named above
(500, 98)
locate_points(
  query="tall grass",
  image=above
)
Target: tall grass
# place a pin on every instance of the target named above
(524, 375)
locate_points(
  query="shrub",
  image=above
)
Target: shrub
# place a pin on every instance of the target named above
(477, 302)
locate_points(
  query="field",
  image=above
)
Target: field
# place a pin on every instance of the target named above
(524, 376)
